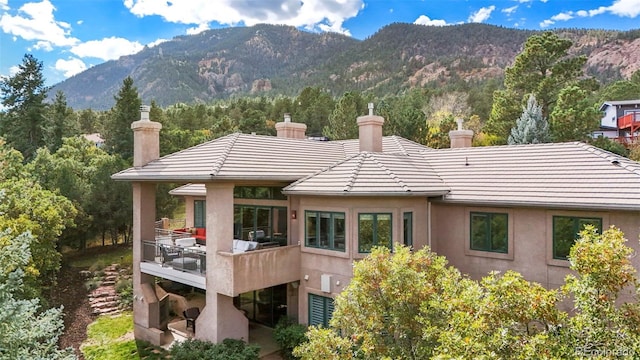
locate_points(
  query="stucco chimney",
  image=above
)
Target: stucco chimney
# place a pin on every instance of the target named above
(146, 138)
(370, 131)
(292, 130)
(460, 138)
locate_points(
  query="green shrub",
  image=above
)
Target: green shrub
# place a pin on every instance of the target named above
(124, 288)
(229, 349)
(92, 283)
(289, 334)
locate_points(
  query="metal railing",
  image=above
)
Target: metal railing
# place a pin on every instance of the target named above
(192, 259)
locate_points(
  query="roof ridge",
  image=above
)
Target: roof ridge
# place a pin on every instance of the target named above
(390, 172)
(396, 140)
(355, 172)
(217, 166)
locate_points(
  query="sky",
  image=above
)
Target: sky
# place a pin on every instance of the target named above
(70, 36)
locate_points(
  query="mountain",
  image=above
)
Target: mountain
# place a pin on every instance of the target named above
(275, 59)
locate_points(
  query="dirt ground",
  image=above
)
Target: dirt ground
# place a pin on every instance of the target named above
(72, 294)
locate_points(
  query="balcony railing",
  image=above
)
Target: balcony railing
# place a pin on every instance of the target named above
(192, 259)
(629, 121)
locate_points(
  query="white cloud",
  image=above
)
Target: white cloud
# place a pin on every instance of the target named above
(4, 4)
(107, 48)
(35, 22)
(510, 10)
(562, 16)
(326, 15)
(157, 42)
(624, 8)
(198, 29)
(481, 15)
(424, 20)
(14, 70)
(70, 67)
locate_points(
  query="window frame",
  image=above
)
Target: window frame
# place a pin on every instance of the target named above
(374, 240)
(577, 220)
(407, 228)
(199, 222)
(509, 255)
(488, 241)
(332, 235)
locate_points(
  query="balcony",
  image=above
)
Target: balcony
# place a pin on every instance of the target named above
(257, 269)
(186, 265)
(236, 273)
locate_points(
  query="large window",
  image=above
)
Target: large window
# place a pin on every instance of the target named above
(199, 214)
(373, 230)
(260, 223)
(489, 232)
(325, 230)
(565, 233)
(320, 310)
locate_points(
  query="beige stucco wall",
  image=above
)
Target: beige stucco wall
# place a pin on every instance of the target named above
(530, 240)
(339, 265)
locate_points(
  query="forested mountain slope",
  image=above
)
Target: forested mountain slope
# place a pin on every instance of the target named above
(272, 59)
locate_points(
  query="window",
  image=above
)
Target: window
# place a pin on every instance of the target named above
(199, 215)
(320, 310)
(325, 230)
(408, 228)
(258, 192)
(489, 232)
(565, 233)
(373, 230)
(260, 223)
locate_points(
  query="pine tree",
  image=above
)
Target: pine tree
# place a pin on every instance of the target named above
(61, 123)
(531, 127)
(118, 135)
(23, 95)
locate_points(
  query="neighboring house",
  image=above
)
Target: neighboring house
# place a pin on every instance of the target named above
(321, 205)
(620, 121)
(95, 138)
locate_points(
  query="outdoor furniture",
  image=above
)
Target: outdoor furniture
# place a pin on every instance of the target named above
(191, 314)
(186, 242)
(169, 254)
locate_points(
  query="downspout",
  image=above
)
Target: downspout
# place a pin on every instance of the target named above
(429, 224)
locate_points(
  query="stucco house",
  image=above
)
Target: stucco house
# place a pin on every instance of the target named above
(318, 206)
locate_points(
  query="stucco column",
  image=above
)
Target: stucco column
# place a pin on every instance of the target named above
(220, 319)
(144, 213)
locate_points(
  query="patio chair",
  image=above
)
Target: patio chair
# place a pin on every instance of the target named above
(168, 254)
(191, 314)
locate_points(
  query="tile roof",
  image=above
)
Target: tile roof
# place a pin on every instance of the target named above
(254, 157)
(373, 174)
(562, 175)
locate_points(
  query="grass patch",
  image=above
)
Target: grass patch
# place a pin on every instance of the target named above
(102, 257)
(111, 338)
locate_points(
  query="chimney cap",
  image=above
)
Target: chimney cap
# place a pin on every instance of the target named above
(287, 117)
(459, 121)
(144, 112)
(370, 106)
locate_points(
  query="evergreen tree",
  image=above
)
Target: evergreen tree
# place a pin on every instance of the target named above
(23, 95)
(574, 118)
(27, 332)
(531, 127)
(342, 121)
(543, 68)
(117, 133)
(61, 123)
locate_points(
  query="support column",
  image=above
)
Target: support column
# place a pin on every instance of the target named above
(220, 319)
(146, 320)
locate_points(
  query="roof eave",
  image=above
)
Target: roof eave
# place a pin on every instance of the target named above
(373, 193)
(548, 205)
(200, 178)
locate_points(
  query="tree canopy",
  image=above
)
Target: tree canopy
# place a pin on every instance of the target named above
(412, 305)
